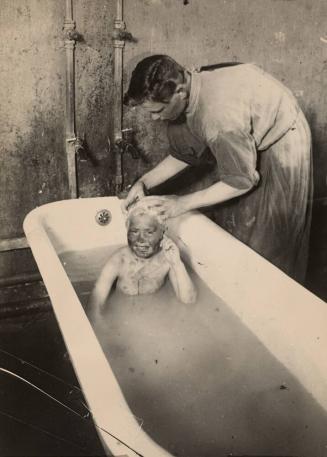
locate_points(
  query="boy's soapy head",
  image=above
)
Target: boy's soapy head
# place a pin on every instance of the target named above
(145, 228)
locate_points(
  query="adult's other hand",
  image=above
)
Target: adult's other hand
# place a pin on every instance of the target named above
(171, 206)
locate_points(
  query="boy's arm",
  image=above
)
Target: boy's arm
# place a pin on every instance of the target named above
(105, 281)
(178, 275)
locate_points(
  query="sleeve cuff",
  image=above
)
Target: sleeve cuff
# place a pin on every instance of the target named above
(181, 157)
(241, 182)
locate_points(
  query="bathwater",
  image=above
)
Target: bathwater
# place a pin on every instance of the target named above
(201, 383)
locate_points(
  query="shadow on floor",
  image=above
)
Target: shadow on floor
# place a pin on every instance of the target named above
(31, 423)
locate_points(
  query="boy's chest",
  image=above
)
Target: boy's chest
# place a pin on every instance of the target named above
(147, 270)
(143, 277)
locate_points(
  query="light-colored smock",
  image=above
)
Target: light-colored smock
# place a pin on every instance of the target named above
(253, 127)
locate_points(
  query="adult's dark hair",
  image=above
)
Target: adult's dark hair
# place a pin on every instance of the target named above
(154, 78)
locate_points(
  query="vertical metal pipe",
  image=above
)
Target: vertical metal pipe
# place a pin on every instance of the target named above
(69, 27)
(69, 10)
(119, 10)
(118, 43)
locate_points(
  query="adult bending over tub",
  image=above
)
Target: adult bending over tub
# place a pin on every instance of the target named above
(143, 265)
(250, 129)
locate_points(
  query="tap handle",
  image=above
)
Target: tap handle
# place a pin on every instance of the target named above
(123, 35)
(132, 150)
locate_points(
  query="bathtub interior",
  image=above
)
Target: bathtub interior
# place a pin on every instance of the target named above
(198, 380)
(196, 374)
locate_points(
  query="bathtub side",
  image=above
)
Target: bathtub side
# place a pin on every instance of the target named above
(288, 319)
(74, 224)
(105, 399)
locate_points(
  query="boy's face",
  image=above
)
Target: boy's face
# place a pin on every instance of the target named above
(144, 235)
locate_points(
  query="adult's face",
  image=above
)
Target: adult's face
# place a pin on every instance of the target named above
(168, 111)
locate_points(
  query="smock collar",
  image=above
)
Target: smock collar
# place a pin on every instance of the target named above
(194, 93)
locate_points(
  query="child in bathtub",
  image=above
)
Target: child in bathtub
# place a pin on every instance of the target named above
(143, 265)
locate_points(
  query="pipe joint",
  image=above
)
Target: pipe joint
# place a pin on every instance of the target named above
(69, 25)
(69, 44)
(119, 24)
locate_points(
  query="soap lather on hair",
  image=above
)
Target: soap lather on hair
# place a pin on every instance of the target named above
(151, 205)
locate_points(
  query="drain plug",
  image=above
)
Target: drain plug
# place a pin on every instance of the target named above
(103, 217)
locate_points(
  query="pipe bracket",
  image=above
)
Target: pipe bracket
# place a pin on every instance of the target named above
(73, 35)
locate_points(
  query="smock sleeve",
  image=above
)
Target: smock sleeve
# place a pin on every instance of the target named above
(236, 156)
(184, 145)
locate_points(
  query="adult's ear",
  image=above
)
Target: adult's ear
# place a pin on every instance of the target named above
(181, 91)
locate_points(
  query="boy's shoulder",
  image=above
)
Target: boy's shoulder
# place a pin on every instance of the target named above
(121, 252)
(117, 256)
(124, 254)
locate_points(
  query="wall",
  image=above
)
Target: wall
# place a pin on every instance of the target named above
(31, 115)
(32, 109)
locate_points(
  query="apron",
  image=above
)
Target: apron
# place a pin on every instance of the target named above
(274, 218)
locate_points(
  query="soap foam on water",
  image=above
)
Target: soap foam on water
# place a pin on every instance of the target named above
(201, 382)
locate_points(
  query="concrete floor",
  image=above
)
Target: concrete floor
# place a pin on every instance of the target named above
(32, 424)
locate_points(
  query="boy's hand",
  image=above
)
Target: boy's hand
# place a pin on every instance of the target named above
(170, 250)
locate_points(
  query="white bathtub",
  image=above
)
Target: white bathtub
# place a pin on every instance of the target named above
(288, 320)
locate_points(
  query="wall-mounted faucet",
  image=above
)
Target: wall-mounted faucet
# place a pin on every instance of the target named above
(123, 145)
(127, 143)
(123, 35)
(80, 149)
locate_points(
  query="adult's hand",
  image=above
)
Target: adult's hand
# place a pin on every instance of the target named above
(171, 206)
(136, 193)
